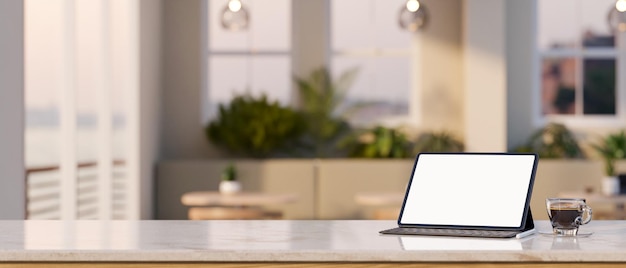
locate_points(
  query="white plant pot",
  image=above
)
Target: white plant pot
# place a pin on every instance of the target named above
(610, 185)
(230, 187)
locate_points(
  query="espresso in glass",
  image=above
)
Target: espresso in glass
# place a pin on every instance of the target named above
(567, 214)
(565, 218)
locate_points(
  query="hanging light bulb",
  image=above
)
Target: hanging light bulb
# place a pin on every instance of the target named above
(620, 5)
(235, 16)
(617, 16)
(234, 5)
(413, 16)
(412, 5)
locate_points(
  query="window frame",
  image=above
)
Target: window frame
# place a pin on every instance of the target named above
(412, 119)
(207, 111)
(580, 54)
(412, 53)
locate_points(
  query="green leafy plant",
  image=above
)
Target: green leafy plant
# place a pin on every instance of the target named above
(553, 141)
(611, 148)
(319, 98)
(229, 173)
(379, 142)
(255, 127)
(437, 142)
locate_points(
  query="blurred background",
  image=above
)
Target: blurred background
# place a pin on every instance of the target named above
(113, 109)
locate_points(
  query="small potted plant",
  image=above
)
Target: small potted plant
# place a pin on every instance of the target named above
(229, 183)
(611, 148)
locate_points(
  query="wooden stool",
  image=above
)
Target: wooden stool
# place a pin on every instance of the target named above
(230, 213)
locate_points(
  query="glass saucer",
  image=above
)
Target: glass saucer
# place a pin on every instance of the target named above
(580, 234)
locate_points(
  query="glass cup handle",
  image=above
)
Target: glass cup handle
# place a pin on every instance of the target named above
(587, 212)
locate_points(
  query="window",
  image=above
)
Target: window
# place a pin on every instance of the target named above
(366, 35)
(78, 85)
(578, 62)
(252, 61)
(362, 34)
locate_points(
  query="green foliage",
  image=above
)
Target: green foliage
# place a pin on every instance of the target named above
(255, 127)
(437, 142)
(229, 173)
(379, 142)
(611, 148)
(319, 98)
(553, 141)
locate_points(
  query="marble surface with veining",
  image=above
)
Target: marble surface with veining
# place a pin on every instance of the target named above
(287, 240)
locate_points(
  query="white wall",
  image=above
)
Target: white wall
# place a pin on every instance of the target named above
(485, 76)
(442, 96)
(12, 190)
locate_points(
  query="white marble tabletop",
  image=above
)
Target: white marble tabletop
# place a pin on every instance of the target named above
(285, 240)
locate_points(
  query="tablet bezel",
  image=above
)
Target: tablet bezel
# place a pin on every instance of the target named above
(526, 209)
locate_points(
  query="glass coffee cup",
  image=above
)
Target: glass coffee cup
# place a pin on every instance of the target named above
(567, 214)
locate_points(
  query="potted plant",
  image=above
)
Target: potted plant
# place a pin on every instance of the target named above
(553, 141)
(320, 97)
(255, 127)
(433, 141)
(229, 183)
(611, 148)
(378, 142)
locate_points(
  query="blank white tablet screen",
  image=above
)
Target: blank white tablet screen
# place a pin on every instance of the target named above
(468, 190)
